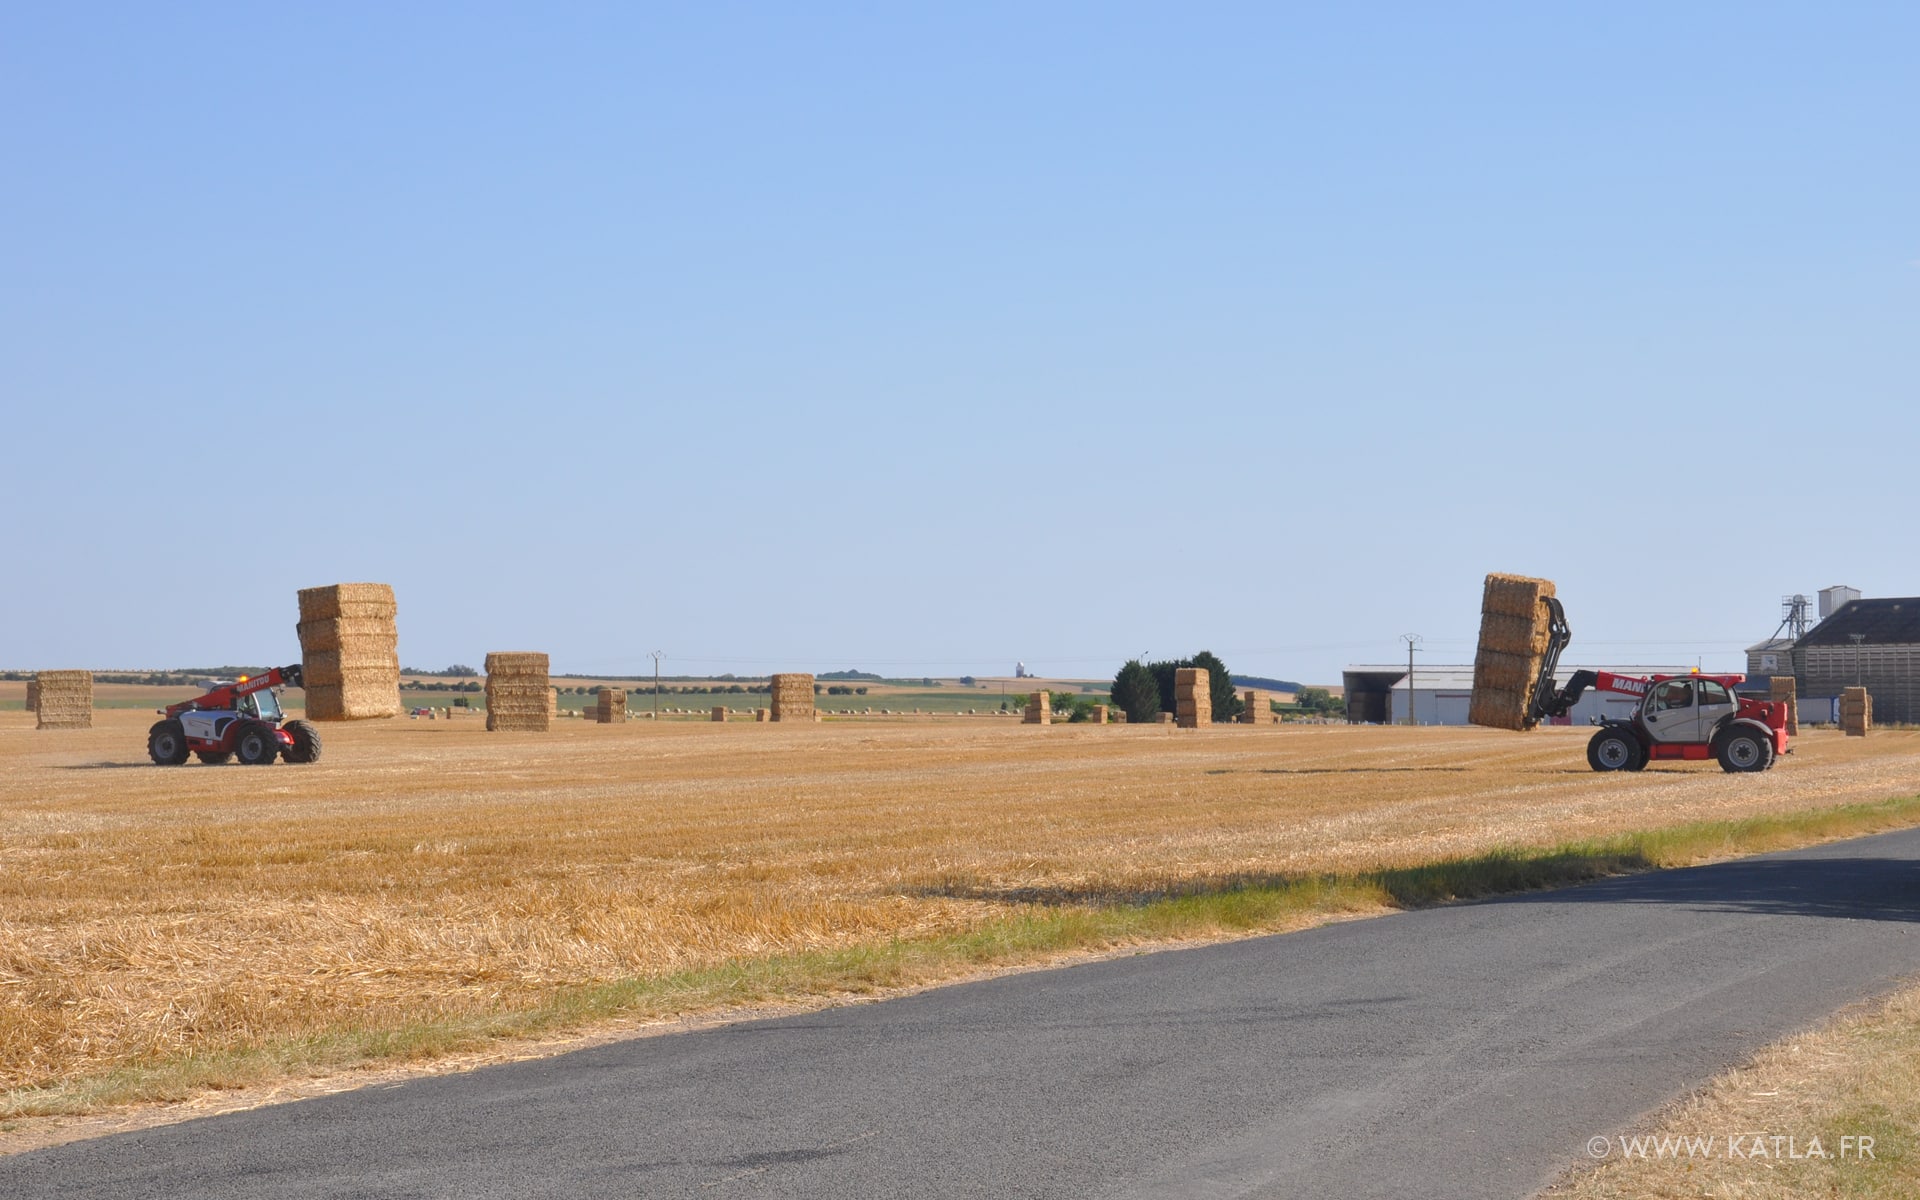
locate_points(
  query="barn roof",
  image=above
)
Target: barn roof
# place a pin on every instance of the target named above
(1892, 620)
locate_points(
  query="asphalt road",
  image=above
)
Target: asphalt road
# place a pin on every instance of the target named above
(1466, 1051)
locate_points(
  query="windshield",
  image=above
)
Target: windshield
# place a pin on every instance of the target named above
(261, 704)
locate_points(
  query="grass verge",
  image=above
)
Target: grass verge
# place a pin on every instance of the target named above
(1036, 934)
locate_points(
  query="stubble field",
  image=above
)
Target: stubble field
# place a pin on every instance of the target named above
(430, 872)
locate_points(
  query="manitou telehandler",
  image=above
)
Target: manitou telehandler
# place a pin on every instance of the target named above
(239, 720)
(1679, 716)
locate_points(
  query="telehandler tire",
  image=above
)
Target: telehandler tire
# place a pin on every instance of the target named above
(256, 746)
(167, 743)
(306, 742)
(1614, 750)
(1744, 750)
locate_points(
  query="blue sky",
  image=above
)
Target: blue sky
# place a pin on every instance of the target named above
(923, 339)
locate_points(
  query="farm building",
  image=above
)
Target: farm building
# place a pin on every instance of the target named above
(1378, 695)
(1873, 644)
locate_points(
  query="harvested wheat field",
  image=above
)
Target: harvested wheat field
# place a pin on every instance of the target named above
(429, 885)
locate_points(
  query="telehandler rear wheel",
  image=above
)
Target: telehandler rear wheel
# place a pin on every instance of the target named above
(167, 743)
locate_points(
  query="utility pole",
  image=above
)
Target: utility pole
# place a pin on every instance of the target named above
(657, 655)
(1412, 640)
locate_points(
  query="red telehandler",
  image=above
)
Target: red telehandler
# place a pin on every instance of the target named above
(240, 720)
(1679, 716)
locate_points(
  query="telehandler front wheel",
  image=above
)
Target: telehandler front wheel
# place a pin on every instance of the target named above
(256, 746)
(306, 742)
(1614, 750)
(1744, 750)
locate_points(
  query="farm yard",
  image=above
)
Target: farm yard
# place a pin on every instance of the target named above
(428, 884)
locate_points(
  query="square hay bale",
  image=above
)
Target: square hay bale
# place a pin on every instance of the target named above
(791, 694)
(1099, 714)
(518, 691)
(63, 700)
(1192, 697)
(1783, 689)
(1039, 709)
(349, 651)
(610, 706)
(1515, 632)
(720, 714)
(1856, 711)
(33, 695)
(762, 716)
(348, 600)
(1165, 718)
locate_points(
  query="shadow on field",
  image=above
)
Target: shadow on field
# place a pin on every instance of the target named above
(104, 766)
(1858, 889)
(1359, 771)
(1868, 889)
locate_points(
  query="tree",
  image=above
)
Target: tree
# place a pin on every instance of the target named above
(1318, 700)
(1226, 701)
(1135, 692)
(966, 681)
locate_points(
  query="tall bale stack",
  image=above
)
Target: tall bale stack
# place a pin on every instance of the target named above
(1515, 632)
(1782, 689)
(518, 685)
(1257, 708)
(1192, 697)
(1039, 709)
(349, 652)
(1856, 711)
(1100, 714)
(33, 695)
(610, 708)
(64, 699)
(792, 695)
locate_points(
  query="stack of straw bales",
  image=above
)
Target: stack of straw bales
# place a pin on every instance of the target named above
(349, 651)
(33, 695)
(1856, 711)
(64, 699)
(1192, 697)
(611, 706)
(1258, 708)
(1165, 718)
(518, 688)
(1783, 690)
(792, 697)
(1039, 709)
(1515, 631)
(720, 713)
(1099, 714)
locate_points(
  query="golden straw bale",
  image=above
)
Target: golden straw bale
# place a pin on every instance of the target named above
(347, 600)
(1783, 689)
(63, 700)
(791, 694)
(1516, 629)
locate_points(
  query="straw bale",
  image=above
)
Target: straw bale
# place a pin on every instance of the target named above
(719, 714)
(1192, 697)
(350, 700)
(762, 715)
(1497, 708)
(610, 706)
(792, 696)
(1165, 718)
(347, 600)
(63, 700)
(1039, 709)
(338, 632)
(1514, 595)
(33, 694)
(1782, 688)
(349, 651)
(1515, 631)
(516, 662)
(1099, 714)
